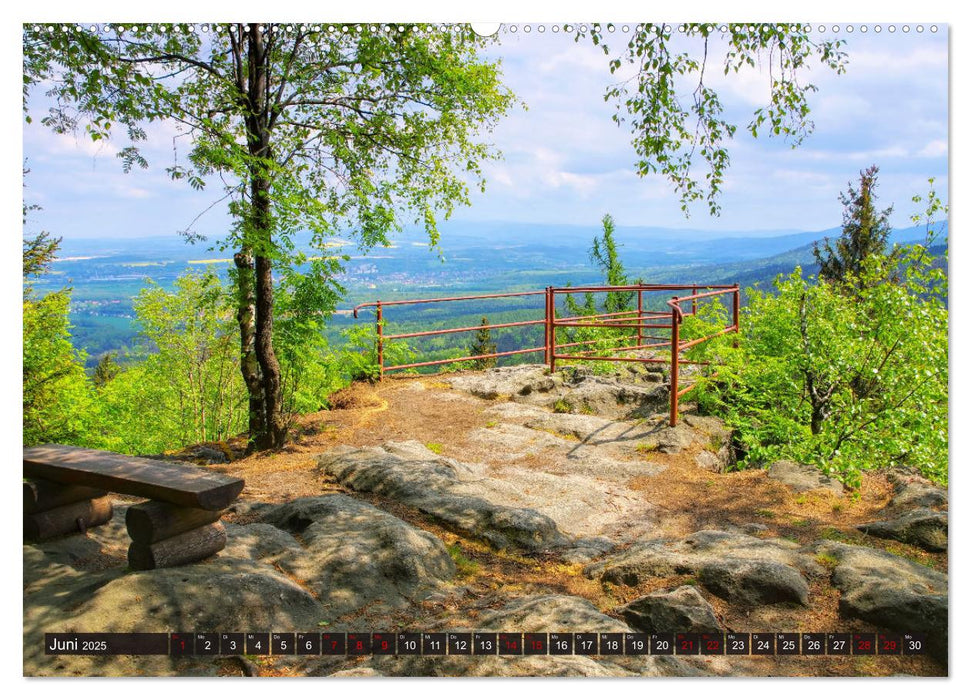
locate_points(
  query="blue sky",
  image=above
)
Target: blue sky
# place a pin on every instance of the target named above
(565, 161)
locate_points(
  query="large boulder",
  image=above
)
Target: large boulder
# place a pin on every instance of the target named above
(890, 592)
(680, 610)
(411, 474)
(803, 477)
(753, 582)
(740, 568)
(924, 528)
(911, 490)
(355, 554)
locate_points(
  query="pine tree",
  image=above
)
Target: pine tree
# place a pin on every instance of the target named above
(483, 345)
(604, 255)
(865, 232)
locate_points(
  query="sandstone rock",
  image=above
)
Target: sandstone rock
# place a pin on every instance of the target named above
(737, 566)
(672, 440)
(924, 528)
(680, 610)
(220, 594)
(752, 582)
(890, 591)
(575, 389)
(493, 383)
(585, 550)
(550, 613)
(356, 554)
(511, 666)
(412, 475)
(803, 477)
(259, 542)
(709, 461)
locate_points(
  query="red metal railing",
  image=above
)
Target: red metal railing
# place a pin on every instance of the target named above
(634, 320)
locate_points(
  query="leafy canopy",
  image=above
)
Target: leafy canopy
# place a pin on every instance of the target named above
(675, 115)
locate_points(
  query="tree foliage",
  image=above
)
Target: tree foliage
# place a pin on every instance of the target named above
(351, 129)
(670, 132)
(865, 232)
(846, 381)
(56, 393)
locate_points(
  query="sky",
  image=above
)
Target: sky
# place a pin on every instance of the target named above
(565, 161)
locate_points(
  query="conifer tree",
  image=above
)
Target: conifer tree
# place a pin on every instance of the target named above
(483, 345)
(865, 232)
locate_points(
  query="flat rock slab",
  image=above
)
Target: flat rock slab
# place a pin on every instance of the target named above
(680, 610)
(415, 476)
(803, 477)
(507, 505)
(353, 553)
(740, 568)
(924, 528)
(890, 591)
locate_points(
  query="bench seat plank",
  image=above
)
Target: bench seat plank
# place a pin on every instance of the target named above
(181, 484)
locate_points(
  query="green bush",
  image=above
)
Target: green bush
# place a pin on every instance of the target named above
(847, 376)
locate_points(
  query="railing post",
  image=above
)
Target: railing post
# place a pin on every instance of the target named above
(380, 323)
(546, 327)
(694, 302)
(675, 356)
(736, 301)
(640, 317)
(551, 329)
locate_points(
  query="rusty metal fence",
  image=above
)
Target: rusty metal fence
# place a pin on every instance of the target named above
(648, 329)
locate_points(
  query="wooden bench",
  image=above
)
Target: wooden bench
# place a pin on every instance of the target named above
(66, 491)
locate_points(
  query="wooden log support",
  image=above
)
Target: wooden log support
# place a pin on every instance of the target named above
(67, 519)
(185, 548)
(154, 521)
(41, 495)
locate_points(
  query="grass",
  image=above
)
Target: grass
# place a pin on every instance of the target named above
(492, 424)
(831, 533)
(645, 447)
(562, 406)
(827, 560)
(764, 513)
(464, 567)
(435, 447)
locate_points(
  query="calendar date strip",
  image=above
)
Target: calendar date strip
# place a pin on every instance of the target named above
(483, 644)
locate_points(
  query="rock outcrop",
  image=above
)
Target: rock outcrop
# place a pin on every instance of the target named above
(413, 475)
(890, 591)
(355, 554)
(803, 477)
(680, 610)
(740, 568)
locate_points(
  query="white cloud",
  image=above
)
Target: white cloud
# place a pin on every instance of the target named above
(934, 149)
